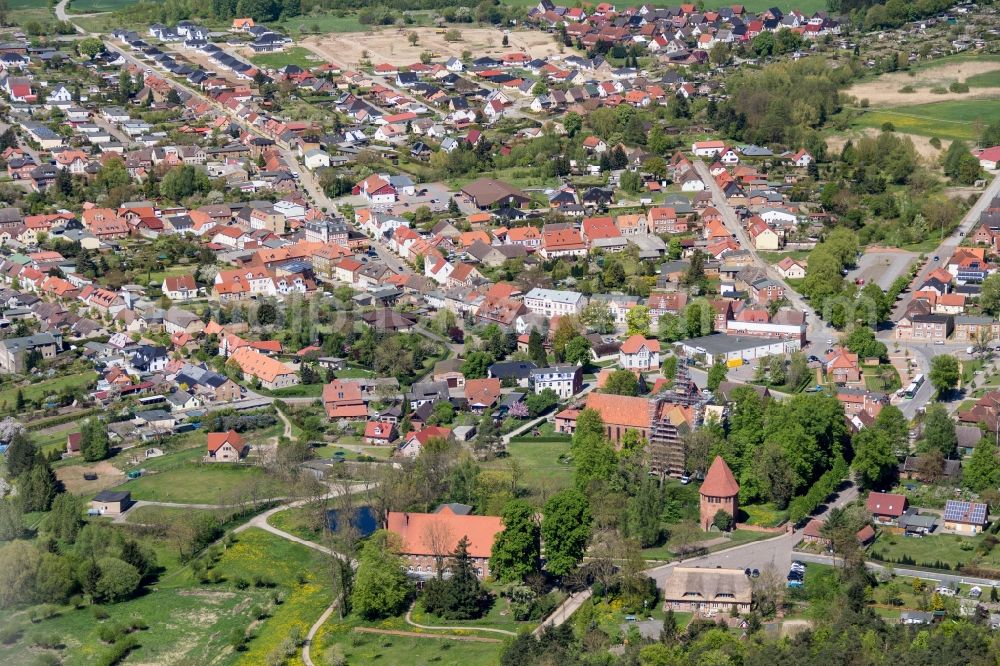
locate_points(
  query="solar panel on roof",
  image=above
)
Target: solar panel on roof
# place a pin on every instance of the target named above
(962, 511)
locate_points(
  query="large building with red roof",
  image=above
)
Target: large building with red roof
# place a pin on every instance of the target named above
(427, 538)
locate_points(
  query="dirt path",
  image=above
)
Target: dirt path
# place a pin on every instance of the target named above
(306, 657)
(414, 634)
(410, 622)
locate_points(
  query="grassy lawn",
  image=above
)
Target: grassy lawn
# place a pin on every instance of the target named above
(93, 6)
(360, 648)
(874, 381)
(200, 483)
(539, 465)
(296, 521)
(500, 616)
(353, 373)
(763, 515)
(295, 55)
(384, 452)
(39, 390)
(959, 119)
(328, 22)
(297, 391)
(776, 257)
(302, 570)
(949, 549)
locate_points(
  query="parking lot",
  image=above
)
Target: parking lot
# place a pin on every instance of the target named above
(433, 195)
(882, 267)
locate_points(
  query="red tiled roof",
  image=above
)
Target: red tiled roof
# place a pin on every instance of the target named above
(886, 504)
(415, 530)
(217, 439)
(719, 482)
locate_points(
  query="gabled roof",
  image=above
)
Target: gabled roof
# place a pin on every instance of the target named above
(217, 439)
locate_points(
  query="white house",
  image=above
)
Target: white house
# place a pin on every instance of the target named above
(692, 183)
(180, 288)
(565, 380)
(638, 353)
(316, 159)
(707, 148)
(554, 302)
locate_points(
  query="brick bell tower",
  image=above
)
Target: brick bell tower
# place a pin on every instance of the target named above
(719, 491)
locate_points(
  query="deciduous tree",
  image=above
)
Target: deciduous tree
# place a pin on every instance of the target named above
(380, 586)
(565, 530)
(517, 549)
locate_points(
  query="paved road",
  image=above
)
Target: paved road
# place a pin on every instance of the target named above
(565, 611)
(946, 578)
(947, 246)
(818, 329)
(776, 552)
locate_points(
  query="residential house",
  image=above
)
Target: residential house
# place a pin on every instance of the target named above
(225, 446)
(565, 380)
(886, 508)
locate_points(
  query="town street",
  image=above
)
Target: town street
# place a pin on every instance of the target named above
(776, 552)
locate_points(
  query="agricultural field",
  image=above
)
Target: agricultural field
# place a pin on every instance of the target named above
(22, 11)
(95, 6)
(961, 120)
(931, 80)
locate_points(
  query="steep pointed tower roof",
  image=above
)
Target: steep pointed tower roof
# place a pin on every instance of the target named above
(719, 482)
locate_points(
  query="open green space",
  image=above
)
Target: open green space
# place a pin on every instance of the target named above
(201, 483)
(294, 55)
(539, 465)
(326, 22)
(21, 11)
(500, 616)
(292, 566)
(763, 515)
(190, 622)
(94, 6)
(962, 120)
(300, 521)
(39, 390)
(369, 648)
(949, 549)
(985, 80)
